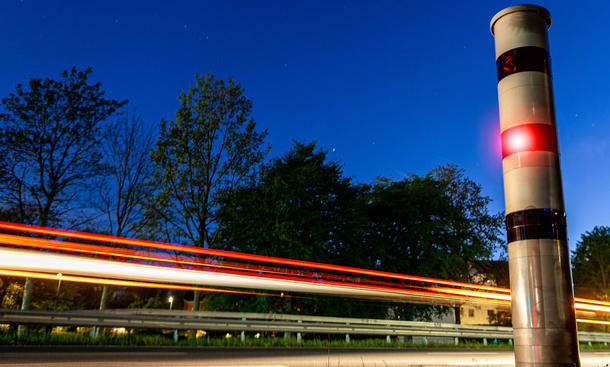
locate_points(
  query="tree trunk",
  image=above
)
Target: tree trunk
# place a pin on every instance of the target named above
(196, 300)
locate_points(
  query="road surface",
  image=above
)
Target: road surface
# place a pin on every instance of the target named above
(268, 357)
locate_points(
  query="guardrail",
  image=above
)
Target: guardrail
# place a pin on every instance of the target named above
(256, 322)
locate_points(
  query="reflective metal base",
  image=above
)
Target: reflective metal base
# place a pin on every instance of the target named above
(542, 302)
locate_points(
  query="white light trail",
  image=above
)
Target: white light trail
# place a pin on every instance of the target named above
(17, 259)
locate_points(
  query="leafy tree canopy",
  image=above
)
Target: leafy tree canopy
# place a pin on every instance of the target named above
(302, 208)
(211, 146)
(431, 225)
(591, 264)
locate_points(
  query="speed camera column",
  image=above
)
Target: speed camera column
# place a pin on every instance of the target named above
(541, 286)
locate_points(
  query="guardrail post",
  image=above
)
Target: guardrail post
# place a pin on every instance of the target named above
(299, 333)
(484, 341)
(347, 335)
(243, 332)
(176, 332)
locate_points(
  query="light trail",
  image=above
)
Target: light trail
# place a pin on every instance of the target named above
(122, 252)
(588, 321)
(592, 301)
(501, 297)
(128, 283)
(236, 255)
(590, 307)
(36, 261)
(95, 249)
(495, 296)
(34, 242)
(133, 254)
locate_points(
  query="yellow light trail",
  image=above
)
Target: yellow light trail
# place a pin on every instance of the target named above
(129, 283)
(588, 321)
(126, 283)
(592, 301)
(588, 305)
(464, 292)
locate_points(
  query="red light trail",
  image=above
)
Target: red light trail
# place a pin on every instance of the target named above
(162, 257)
(473, 292)
(236, 255)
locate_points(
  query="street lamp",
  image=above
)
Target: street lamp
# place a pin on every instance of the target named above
(171, 303)
(59, 275)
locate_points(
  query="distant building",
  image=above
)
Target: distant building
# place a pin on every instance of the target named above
(491, 273)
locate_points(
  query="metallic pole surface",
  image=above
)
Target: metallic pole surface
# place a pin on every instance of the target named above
(544, 323)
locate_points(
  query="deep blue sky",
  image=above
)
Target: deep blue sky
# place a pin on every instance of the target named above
(387, 87)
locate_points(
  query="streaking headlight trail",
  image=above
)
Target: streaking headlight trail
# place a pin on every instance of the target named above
(155, 264)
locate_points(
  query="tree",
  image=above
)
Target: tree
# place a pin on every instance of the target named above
(433, 225)
(476, 231)
(591, 264)
(127, 143)
(212, 146)
(301, 208)
(50, 145)
(51, 142)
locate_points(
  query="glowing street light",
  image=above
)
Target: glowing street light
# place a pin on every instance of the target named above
(59, 275)
(171, 303)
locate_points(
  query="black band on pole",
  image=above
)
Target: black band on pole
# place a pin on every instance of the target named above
(519, 59)
(536, 224)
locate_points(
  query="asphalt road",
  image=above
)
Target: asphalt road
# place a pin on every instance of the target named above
(268, 357)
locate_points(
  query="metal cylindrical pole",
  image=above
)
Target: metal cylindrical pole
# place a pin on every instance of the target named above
(541, 286)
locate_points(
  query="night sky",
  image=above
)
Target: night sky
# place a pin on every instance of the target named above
(389, 88)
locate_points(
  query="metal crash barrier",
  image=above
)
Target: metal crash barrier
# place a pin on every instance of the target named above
(258, 322)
